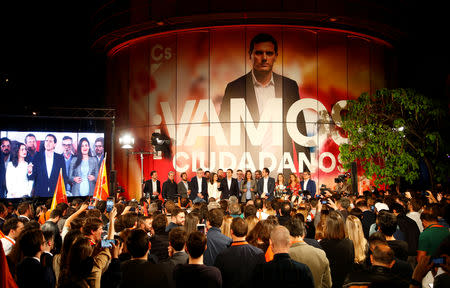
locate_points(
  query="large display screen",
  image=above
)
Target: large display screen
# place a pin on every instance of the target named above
(33, 161)
(205, 89)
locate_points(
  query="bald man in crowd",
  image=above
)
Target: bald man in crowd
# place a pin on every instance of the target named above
(282, 271)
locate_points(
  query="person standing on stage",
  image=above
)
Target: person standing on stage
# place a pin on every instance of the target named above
(199, 187)
(83, 170)
(184, 186)
(266, 185)
(229, 186)
(169, 189)
(17, 181)
(46, 167)
(152, 187)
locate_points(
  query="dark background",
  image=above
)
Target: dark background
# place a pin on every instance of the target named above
(46, 54)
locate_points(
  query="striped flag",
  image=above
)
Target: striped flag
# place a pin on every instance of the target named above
(101, 191)
(60, 192)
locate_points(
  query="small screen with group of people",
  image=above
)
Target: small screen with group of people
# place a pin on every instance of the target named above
(32, 162)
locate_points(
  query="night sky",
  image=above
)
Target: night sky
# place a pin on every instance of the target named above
(45, 54)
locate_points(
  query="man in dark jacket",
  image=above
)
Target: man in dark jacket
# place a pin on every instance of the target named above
(152, 187)
(51, 226)
(217, 242)
(282, 271)
(30, 272)
(138, 272)
(160, 241)
(238, 262)
(169, 189)
(177, 245)
(229, 186)
(380, 274)
(367, 217)
(45, 176)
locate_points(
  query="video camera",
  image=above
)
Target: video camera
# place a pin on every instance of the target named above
(342, 178)
(323, 189)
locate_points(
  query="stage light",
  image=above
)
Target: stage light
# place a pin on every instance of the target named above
(126, 141)
(401, 129)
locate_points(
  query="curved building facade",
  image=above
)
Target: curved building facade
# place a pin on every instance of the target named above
(191, 77)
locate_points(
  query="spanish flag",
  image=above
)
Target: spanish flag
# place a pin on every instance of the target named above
(6, 280)
(60, 192)
(101, 191)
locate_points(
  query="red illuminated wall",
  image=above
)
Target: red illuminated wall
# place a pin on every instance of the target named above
(174, 83)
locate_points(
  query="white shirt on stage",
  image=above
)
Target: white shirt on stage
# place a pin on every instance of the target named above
(17, 181)
(213, 191)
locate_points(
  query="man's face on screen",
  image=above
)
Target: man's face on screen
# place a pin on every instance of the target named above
(67, 145)
(263, 57)
(31, 143)
(6, 147)
(99, 149)
(49, 143)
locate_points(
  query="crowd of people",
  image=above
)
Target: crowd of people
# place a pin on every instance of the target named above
(233, 234)
(30, 171)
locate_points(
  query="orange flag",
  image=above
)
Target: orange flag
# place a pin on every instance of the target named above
(101, 191)
(1, 234)
(60, 192)
(6, 280)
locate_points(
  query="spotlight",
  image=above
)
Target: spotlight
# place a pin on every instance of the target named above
(127, 141)
(161, 143)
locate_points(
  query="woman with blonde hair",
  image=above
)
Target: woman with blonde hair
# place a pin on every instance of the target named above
(251, 222)
(355, 233)
(226, 225)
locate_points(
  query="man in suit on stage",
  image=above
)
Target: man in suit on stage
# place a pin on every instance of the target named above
(46, 167)
(99, 146)
(266, 185)
(260, 88)
(308, 184)
(152, 187)
(199, 188)
(229, 186)
(184, 186)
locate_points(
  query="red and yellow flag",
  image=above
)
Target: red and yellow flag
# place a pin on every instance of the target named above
(60, 192)
(101, 191)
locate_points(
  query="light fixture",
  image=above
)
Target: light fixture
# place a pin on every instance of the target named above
(126, 141)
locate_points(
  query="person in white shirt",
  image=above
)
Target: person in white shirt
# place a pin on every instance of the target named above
(17, 181)
(213, 187)
(12, 229)
(260, 214)
(414, 207)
